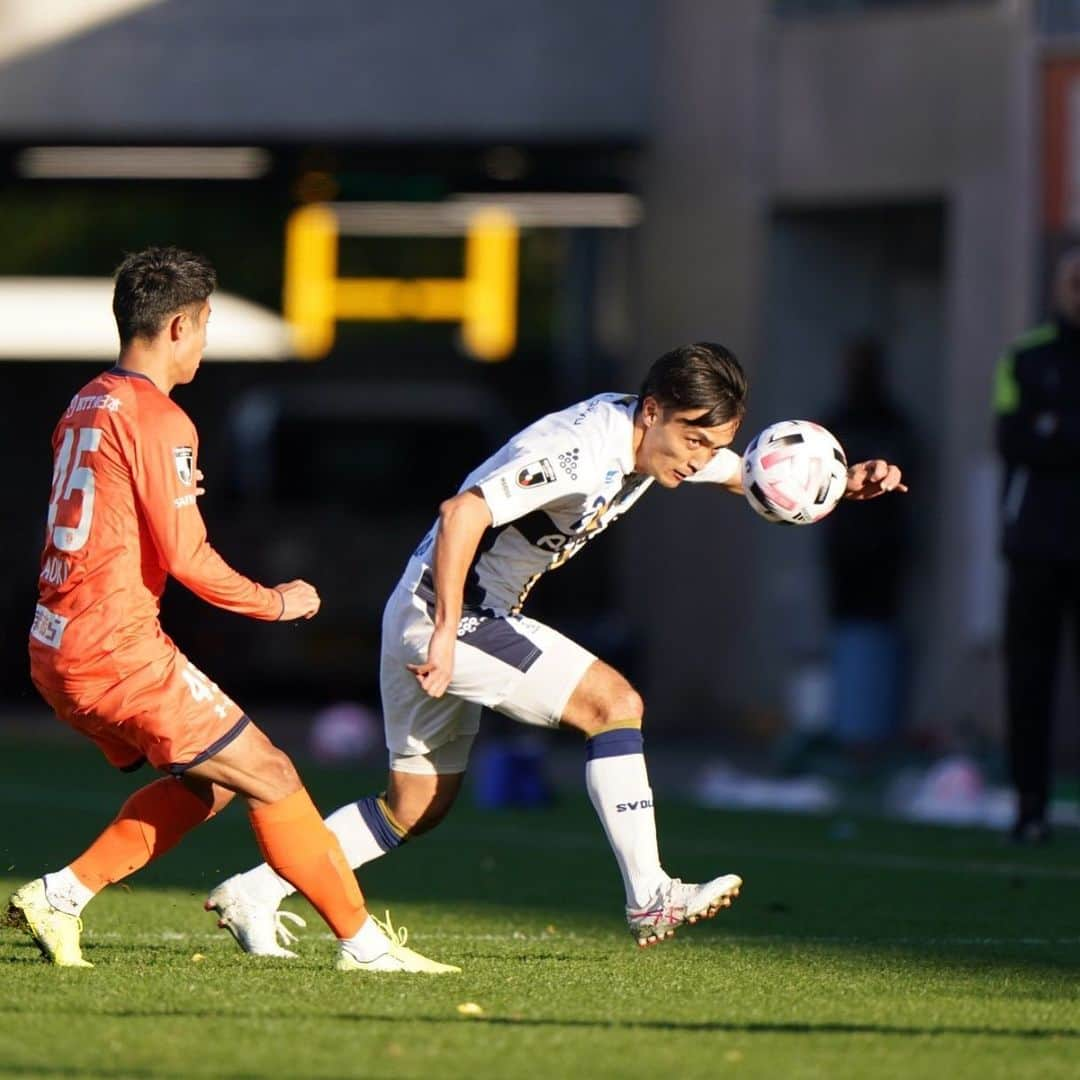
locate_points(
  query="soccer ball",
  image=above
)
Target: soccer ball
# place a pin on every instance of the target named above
(794, 472)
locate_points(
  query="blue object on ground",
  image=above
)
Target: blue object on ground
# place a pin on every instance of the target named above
(508, 774)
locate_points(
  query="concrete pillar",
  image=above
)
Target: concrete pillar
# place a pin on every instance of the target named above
(684, 553)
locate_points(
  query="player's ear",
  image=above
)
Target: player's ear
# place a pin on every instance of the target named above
(176, 326)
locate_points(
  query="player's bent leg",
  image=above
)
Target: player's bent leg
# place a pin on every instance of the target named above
(414, 802)
(152, 821)
(417, 799)
(288, 828)
(608, 711)
(300, 848)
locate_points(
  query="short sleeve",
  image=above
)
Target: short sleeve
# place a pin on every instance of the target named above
(724, 465)
(538, 475)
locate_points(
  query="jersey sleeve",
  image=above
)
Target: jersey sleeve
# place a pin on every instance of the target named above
(538, 473)
(724, 465)
(164, 469)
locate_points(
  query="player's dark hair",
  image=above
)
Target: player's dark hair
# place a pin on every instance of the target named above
(699, 376)
(153, 285)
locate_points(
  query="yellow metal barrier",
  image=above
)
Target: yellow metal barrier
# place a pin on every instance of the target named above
(484, 301)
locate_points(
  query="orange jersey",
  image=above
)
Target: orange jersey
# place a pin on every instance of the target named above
(123, 518)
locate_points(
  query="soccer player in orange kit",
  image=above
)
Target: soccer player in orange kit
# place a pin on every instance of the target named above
(122, 519)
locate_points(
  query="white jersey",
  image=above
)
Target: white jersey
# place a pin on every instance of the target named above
(551, 489)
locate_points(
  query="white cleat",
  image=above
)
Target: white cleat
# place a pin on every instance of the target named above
(396, 959)
(677, 903)
(55, 932)
(259, 929)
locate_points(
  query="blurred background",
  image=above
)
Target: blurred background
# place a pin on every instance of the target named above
(434, 222)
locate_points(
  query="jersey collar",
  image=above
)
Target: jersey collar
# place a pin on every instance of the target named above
(116, 369)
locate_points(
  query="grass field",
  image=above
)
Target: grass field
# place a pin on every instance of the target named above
(893, 951)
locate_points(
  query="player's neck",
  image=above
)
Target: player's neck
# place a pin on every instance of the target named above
(148, 363)
(637, 438)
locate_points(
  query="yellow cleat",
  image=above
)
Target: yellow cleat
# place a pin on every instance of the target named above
(396, 958)
(54, 932)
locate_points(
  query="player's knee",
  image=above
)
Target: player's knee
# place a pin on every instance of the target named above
(623, 708)
(422, 820)
(418, 808)
(279, 774)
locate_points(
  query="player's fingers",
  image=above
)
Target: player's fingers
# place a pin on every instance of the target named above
(419, 669)
(437, 686)
(891, 480)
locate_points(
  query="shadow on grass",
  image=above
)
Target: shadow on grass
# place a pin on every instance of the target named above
(750, 1027)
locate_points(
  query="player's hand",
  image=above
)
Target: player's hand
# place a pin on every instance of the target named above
(199, 489)
(434, 675)
(300, 600)
(869, 479)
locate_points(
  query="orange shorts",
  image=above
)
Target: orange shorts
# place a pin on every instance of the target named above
(168, 713)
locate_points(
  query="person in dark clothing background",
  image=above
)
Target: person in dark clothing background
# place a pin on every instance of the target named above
(1037, 405)
(867, 644)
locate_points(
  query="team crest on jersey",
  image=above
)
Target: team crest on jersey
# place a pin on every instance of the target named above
(535, 473)
(184, 457)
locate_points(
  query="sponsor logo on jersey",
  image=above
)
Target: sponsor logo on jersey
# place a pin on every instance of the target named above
(552, 542)
(55, 570)
(93, 401)
(47, 627)
(184, 457)
(183, 500)
(639, 804)
(586, 412)
(568, 462)
(611, 475)
(535, 473)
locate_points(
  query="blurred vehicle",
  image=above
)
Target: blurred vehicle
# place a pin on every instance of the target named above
(336, 484)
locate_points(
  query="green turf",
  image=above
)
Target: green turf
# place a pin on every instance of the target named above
(873, 950)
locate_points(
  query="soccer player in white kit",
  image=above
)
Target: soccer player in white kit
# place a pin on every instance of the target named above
(454, 638)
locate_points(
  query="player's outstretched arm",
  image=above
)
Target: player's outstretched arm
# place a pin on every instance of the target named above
(869, 479)
(299, 600)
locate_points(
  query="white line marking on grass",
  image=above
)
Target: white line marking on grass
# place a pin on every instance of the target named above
(154, 937)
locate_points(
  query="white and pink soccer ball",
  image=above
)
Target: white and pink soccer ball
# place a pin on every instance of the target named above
(794, 472)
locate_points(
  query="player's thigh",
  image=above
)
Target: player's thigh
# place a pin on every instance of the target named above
(78, 714)
(424, 735)
(603, 699)
(249, 765)
(520, 667)
(181, 716)
(167, 712)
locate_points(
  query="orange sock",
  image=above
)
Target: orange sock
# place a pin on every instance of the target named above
(150, 823)
(297, 844)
